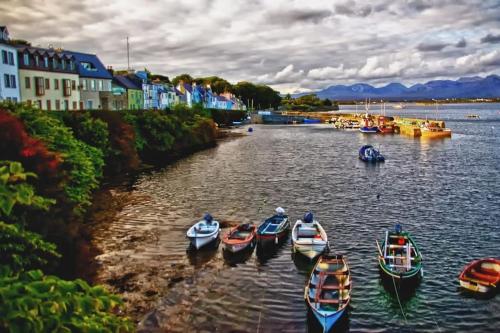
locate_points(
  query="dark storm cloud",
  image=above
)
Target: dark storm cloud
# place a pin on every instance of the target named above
(298, 16)
(290, 44)
(492, 39)
(431, 47)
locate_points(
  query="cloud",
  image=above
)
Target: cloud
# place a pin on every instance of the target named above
(289, 44)
(431, 47)
(489, 38)
(286, 17)
(461, 43)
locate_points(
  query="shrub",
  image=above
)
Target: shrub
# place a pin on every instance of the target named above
(33, 302)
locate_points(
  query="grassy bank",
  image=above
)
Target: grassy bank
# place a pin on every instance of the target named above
(51, 163)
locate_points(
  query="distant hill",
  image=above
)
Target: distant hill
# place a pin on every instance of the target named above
(466, 87)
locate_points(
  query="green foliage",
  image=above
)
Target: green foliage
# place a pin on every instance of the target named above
(33, 302)
(186, 78)
(22, 250)
(82, 163)
(15, 191)
(263, 96)
(217, 84)
(309, 102)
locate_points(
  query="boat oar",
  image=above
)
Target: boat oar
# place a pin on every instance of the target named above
(379, 249)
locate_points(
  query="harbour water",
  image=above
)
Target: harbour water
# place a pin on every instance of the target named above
(446, 192)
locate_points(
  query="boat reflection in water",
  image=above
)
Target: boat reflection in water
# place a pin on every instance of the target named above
(234, 258)
(198, 258)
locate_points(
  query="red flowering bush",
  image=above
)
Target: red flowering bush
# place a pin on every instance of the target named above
(17, 145)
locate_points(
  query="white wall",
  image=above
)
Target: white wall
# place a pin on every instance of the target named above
(9, 93)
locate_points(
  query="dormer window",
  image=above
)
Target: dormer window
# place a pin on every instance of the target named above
(26, 59)
(37, 61)
(71, 65)
(63, 64)
(54, 63)
(46, 62)
(89, 66)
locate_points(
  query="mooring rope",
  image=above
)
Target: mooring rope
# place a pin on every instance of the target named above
(399, 301)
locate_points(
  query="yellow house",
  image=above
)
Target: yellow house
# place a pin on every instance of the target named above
(48, 78)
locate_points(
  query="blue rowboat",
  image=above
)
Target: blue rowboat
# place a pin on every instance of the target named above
(368, 129)
(274, 228)
(312, 121)
(329, 290)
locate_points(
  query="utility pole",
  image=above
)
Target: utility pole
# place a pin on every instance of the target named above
(128, 56)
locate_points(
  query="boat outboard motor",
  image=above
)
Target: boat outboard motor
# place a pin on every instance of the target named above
(280, 211)
(208, 218)
(398, 228)
(308, 217)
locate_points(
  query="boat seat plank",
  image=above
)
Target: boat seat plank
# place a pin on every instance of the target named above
(398, 257)
(483, 277)
(490, 271)
(396, 246)
(328, 301)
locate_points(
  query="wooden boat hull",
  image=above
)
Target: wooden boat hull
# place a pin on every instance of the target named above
(310, 251)
(200, 235)
(276, 236)
(309, 239)
(427, 134)
(481, 276)
(239, 238)
(331, 286)
(368, 130)
(199, 242)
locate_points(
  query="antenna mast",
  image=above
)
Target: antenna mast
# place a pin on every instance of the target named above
(128, 56)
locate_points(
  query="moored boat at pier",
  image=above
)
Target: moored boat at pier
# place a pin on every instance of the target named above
(274, 229)
(203, 232)
(308, 237)
(240, 238)
(328, 292)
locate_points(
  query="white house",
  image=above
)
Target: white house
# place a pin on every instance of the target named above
(9, 73)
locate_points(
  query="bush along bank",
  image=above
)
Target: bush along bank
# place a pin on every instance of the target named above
(50, 164)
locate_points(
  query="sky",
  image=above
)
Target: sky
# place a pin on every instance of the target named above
(293, 46)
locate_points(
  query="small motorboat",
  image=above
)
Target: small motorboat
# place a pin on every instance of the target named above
(308, 237)
(274, 228)
(473, 116)
(203, 232)
(369, 129)
(399, 258)
(481, 275)
(240, 238)
(329, 290)
(368, 153)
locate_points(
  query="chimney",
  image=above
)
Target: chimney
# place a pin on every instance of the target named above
(110, 70)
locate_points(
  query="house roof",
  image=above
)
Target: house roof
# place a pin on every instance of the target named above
(43, 51)
(221, 98)
(126, 82)
(188, 87)
(97, 68)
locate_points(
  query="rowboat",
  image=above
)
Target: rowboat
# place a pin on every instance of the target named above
(399, 258)
(274, 228)
(368, 153)
(308, 237)
(240, 238)
(481, 275)
(203, 232)
(329, 290)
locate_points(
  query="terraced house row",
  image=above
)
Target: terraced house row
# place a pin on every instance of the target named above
(56, 79)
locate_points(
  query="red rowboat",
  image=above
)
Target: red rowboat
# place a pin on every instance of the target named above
(481, 275)
(239, 238)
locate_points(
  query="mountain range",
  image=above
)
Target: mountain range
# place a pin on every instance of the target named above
(466, 87)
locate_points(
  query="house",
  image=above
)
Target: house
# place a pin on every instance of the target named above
(95, 82)
(133, 86)
(9, 77)
(48, 78)
(186, 90)
(150, 91)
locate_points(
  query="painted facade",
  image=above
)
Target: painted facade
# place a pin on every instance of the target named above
(9, 71)
(95, 82)
(133, 86)
(48, 78)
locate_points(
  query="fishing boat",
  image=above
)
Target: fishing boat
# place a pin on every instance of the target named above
(481, 275)
(274, 228)
(385, 125)
(474, 116)
(203, 232)
(308, 237)
(368, 153)
(329, 290)
(240, 238)
(434, 131)
(399, 258)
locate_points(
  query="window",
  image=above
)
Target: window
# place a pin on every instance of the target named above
(88, 66)
(6, 80)
(67, 87)
(54, 63)
(13, 81)
(37, 61)
(75, 105)
(66, 105)
(92, 85)
(56, 84)
(11, 58)
(71, 65)
(48, 105)
(47, 84)
(100, 85)
(27, 82)
(46, 62)
(58, 105)
(73, 85)
(26, 59)
(89, 105)
(85, 85)
(4, 57)
(63, 64)
(39, 88)
(39, 104)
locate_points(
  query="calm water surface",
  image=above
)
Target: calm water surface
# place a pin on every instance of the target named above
(446, 192)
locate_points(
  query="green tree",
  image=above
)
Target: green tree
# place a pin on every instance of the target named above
(186, 78)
